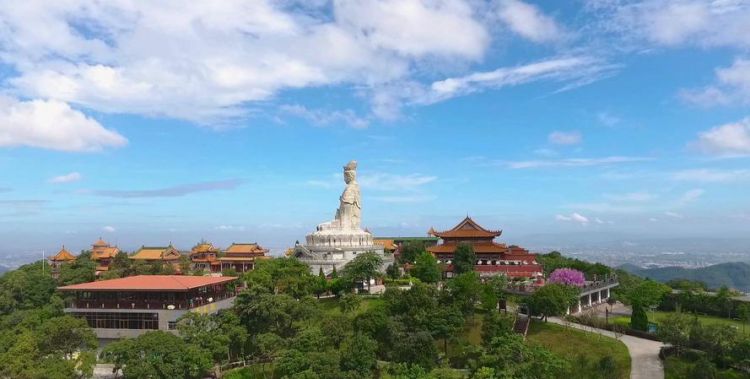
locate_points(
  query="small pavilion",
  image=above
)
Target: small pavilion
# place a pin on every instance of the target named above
(103, 253)
(58, 260)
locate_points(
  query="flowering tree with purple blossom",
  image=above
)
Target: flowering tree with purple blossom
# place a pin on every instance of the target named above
(568, 277)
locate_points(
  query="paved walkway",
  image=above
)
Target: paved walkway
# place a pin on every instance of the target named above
(644, 354)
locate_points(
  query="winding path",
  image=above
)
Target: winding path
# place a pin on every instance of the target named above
(644, 354)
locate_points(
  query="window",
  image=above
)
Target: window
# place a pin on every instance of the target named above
(172, 325)
(118, 320)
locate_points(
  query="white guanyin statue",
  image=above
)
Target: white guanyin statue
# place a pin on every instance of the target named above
(349, 213)
(336, 242)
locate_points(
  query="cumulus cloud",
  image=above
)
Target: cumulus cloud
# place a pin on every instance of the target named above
(528, 21)
(675, 23)
(732, 139)
(52, 124)
(565, 138)
(162, 58)
(732, 87)
(108, 229)
(573, 217)
(67, 178)
(673, 214)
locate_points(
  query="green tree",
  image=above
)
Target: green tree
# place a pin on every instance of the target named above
(510, 357)
(409, 251)
(349, 302)
(464, 259)
(464, 291)
(393, 270)
(158, 355)
(638, 317)
(82, 270)
(426, 268)
(359, 355)
(363, 268)
(283, 275)
(444, 324)
(553, 300)
(205, 332)
(675, 330)
(496, 325)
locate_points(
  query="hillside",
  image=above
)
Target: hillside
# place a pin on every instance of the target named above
(732, 274)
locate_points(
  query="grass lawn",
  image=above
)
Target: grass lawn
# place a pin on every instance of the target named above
(578, 347)
(705, 320)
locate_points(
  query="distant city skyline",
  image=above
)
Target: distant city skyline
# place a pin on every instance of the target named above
(146, 124)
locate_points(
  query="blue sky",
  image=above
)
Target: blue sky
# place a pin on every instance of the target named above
(154, 122)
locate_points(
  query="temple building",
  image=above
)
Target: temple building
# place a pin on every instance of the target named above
(492, 258)
(242, 256)
(205, 257)
(165, 255)
(103, 253)
(131, 306)
(58, 260)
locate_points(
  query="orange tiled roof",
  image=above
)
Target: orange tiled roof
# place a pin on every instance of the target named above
(100, 243)
(387, 244)
(467, 228)
(63, 256)
(203, 247)
(104, 252)
(176, 283)
(245, 248)
(156, 253)
(479, 248)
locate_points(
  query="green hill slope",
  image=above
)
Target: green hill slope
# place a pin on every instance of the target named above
(733, 274)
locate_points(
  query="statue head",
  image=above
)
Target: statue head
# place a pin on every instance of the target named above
(350, 172)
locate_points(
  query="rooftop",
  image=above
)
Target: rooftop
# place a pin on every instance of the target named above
(467, 228)
(174, 283)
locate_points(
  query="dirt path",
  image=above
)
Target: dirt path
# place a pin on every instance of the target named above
(644, 354)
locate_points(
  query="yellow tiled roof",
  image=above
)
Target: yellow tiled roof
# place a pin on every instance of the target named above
(155, 253)
(63, 255)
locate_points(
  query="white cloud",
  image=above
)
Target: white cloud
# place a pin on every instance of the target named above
(711, 175)
(573, 162)
(576, 70)
(415, 28)
(732, 86)
(163, 58)
(691, 196)
(607, 119)
(108, 229)
(676, 23)
(51, 124)
(238, 228)
(67, 178)
(406, 199)
(377, 181)
(323, 117)
(732, 139)
(565, 138)
(636, 197)
(573, 217)
(528, 21)
(673, 214)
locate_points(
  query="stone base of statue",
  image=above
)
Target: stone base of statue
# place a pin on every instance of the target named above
(335, 243)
